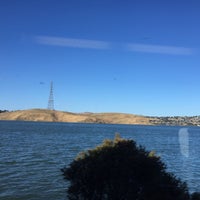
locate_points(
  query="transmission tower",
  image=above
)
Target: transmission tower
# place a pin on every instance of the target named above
(51, 101)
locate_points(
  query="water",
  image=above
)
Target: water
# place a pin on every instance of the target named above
(32, 153)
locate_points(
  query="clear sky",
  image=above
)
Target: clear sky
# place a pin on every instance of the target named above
(132, 56)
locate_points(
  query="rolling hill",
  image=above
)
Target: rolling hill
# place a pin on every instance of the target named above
(43, 115)
(60, 116)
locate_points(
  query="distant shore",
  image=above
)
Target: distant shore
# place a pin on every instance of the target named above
(43, 115)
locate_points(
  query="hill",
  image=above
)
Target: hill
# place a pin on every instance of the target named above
(59, 116)
(105, 118)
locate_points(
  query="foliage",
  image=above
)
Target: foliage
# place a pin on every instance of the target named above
(2, 111)
(120, 170)
(195, 196)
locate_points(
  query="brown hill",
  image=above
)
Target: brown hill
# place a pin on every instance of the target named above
(59, 116)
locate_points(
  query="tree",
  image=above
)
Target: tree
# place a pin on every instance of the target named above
(2, 111)
(195, 196)
(121, 170)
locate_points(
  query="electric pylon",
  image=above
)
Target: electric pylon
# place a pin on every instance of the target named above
(51, 100)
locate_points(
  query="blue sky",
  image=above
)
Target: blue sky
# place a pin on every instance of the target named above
(139, 57)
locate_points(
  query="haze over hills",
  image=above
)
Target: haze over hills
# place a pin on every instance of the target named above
(44, 115)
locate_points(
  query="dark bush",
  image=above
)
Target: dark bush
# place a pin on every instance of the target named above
(120, 170)
(2, 111)
(195, 196)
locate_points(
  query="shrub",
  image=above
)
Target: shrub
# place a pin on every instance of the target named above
(120, 170)
(195, 196)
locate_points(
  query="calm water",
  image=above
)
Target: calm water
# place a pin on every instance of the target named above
(32, 154)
